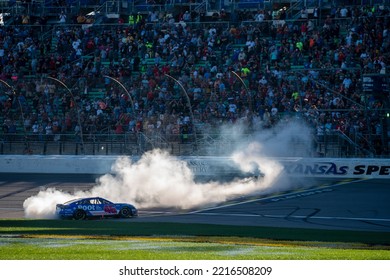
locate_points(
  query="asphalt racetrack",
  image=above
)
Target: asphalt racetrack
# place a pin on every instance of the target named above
(358, 205)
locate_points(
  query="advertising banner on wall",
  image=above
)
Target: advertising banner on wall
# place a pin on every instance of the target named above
(303, 167)
(204, 166)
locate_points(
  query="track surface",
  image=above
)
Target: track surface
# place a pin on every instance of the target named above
(349, 205)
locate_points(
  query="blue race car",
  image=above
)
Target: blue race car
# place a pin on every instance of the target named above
(82, 208)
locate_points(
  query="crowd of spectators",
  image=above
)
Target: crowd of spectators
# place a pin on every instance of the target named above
(252, 67)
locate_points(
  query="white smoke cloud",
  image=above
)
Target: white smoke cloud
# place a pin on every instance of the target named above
(160, 180)
(156, 180)
(288, 138)
(43, 204)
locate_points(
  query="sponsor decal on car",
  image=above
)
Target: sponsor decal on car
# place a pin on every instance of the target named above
(87, 207)
(110, 209)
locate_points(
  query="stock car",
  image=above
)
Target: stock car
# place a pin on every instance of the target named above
(82, 208)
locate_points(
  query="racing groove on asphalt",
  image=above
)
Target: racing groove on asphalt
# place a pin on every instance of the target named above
(344, 205)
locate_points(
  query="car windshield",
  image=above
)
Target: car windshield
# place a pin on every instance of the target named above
(105, 201)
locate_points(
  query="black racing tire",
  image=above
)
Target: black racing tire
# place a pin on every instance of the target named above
(79, 215)
(125, 212)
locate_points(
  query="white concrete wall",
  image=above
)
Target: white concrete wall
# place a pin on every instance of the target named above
(56, 164)
(208, 166)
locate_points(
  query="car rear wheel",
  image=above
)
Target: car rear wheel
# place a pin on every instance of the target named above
(79, 215)
(125, 212)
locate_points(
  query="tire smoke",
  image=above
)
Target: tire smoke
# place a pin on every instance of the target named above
(159, 180)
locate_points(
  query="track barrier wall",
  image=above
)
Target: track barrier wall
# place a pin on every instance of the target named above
(201, 166)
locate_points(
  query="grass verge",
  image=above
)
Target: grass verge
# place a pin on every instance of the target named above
(110, 239)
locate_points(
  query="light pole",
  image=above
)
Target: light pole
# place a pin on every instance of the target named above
(139, 140)
(20, 106)
(188, 104)
(248, 95)
(77, 109)
(246, 90)
(127, 92)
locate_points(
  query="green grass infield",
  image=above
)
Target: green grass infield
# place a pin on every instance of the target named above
(111, 239)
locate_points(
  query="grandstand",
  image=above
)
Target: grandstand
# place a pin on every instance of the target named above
(122, 77)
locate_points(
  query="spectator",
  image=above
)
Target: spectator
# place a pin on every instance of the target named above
(62, 17)
(344, 12)
(325, 55)
(304, 13)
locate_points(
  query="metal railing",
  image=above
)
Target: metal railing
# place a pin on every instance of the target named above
(330, 144)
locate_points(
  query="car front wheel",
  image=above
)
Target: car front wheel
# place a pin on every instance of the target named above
(79, 215)
(125, 212)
